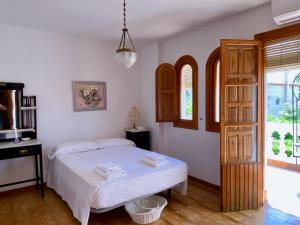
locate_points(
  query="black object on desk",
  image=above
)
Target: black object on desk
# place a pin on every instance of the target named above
(10, 150)
(140, 137)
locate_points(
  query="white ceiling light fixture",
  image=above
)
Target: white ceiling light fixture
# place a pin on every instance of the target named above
(126, 56)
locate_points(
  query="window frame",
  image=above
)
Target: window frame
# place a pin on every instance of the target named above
(211, 64)
(182, 123)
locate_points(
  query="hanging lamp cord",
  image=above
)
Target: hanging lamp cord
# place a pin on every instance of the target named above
(125, 30)
(124, 14)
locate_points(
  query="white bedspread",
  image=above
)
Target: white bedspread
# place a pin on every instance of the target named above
(73, 178)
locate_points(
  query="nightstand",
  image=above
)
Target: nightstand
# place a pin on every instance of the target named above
(140, 137)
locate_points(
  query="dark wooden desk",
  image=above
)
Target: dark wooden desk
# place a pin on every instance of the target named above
(9, 150)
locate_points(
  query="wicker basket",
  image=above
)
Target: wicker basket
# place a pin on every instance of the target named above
(147, 210)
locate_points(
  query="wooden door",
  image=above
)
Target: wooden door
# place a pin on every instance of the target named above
(241, 125)
(166, 94)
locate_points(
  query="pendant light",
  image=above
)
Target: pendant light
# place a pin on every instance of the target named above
(125, 56)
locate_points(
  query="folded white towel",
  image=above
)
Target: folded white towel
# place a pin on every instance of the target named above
(155, 157)
(155, 163)
(109, 168)
(109, 176)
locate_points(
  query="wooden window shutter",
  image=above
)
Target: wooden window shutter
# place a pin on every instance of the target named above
(165, 93)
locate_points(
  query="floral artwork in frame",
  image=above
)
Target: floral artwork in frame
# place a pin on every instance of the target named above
(89, 95)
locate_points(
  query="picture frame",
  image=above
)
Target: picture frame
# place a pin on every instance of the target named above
(89, 96)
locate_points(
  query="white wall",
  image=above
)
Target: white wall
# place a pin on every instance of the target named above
(200, 149)
(47, 63)
(148, 61)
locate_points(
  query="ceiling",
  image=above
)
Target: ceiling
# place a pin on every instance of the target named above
(102, 19)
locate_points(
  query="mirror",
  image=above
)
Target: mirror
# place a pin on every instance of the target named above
(8, 110)
(11, 95)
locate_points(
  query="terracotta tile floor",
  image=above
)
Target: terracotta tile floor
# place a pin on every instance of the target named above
(198, 207)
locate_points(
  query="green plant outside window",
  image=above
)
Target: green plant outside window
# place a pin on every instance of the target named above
(275, 142)
(288, 143)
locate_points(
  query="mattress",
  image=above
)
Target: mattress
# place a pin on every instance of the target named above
(72, 176)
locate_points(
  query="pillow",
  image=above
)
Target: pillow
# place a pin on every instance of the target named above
(113, 142)
(72, 147)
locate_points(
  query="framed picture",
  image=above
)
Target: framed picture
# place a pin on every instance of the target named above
(89, 95)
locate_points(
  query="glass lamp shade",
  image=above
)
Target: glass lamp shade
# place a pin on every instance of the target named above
(134, 114)
(126, 57)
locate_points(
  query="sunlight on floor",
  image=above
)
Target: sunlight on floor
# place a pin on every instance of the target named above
(283, 190)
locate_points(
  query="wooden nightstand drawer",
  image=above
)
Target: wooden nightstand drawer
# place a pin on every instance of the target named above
(17, 152)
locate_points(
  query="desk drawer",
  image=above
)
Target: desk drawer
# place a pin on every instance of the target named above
(10, 153)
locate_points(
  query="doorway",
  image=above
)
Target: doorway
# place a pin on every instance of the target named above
(281, 50)
(282, 170)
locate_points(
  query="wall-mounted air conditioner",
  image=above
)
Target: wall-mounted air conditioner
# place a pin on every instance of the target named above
(285, 11)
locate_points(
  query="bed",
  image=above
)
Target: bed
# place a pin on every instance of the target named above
(72, 175)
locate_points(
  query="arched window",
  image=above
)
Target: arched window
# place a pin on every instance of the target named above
(213, 91)
(187, 93)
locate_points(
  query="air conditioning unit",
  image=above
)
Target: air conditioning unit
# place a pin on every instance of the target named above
(285, 11)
